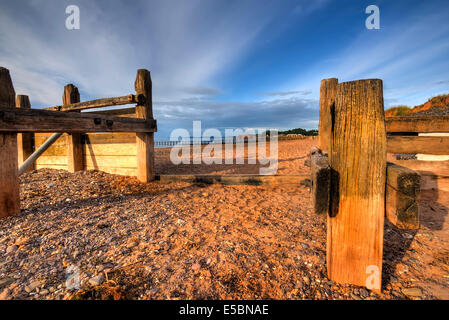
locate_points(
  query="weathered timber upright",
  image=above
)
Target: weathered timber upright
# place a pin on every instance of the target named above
(358, 175)
(25, 141)
(328, 91)
(402, 191)
(73, 140)
(144, 141)
(9, 180)
(320, 169)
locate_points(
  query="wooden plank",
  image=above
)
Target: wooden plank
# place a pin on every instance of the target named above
(124, 112)
(426, 145)
(328, 91)
(233, 179)
(99, 162)
(402, 192)
(358, 176)
(25, 141)
(59, 160)
(417, 124)
(144, 141)
(55, 151)
(110, 149)
(321, 182)
(9, 179)
(17, 120)
(73, 141)
(434, 174)
(438, 168)
(132, 172)
(51, 166)
(120, 137)
(98, 103)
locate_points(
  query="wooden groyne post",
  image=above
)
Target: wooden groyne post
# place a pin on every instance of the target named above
(73, 140)
(357, 159)
(328, 92)
(9, 182)
(144, 141)
(25, 141)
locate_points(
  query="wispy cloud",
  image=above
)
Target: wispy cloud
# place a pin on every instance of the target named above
(288, 93)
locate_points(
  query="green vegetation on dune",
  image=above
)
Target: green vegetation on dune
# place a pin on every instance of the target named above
(398, 111)
(304, 132)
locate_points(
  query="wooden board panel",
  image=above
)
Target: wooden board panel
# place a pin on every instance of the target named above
(99, 162)
(128, 137)
(57, 150)
(439, 168)
(402, 192)
(426, 145)
(40, 138)
(59, 160)
(132, 172)
(51, 166)
(417, 124)
(110, 149)
(434, 174)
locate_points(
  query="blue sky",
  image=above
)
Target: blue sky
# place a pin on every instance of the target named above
(247, 64)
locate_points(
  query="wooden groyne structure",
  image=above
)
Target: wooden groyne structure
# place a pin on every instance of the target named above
(116, 141)
(355, 186)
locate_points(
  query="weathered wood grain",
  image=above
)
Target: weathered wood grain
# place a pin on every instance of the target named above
(17, 120)
(125, 112)
(9, 180)
(144, 141)
(425, 145)
(111, 149)
(417, 124)
(25, 141)
(402, 192)
(328, 92)
(116, 161)
(98, 103)
(73, 141)
(358, 176)
(321, 182)
(113, 138)
(235, 179)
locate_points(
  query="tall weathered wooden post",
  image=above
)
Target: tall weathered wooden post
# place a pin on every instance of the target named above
(358, 176)
(9, 180)
(328, 92)
(25, 141)
(73, 140)
(144, 141)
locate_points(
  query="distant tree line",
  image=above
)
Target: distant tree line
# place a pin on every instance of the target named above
(304, 132)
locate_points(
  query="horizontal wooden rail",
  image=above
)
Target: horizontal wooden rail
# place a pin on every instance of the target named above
(425, 145)
(237, 179)
(99, 103)
(124, 112)
(402, 191)
(33, 120)
(417, 124)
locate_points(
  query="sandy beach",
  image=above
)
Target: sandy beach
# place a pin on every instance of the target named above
(124, 239)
